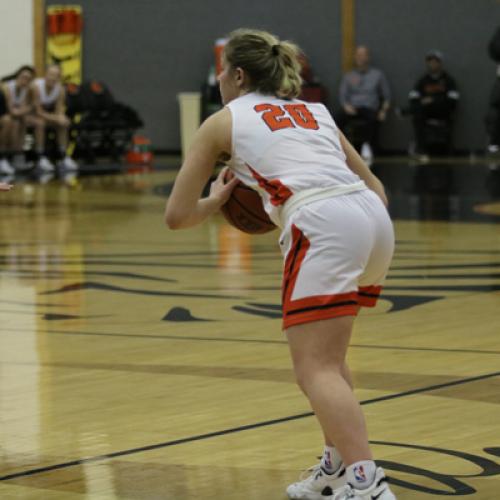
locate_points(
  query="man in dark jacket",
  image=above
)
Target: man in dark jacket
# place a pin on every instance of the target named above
(432, 103)
(493, 116)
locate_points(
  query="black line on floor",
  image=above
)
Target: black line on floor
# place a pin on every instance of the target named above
(234, 430)
(261, 341)
(282, 342)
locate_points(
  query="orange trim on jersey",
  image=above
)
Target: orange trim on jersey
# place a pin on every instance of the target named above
(320, 307)
(368, 295)
(278, 192)
(315, 301)
(319, 314)
(295, 256)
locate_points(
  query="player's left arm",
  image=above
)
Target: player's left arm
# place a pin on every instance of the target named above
(184, 207)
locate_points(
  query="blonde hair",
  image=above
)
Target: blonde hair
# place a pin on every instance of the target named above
(271, 65)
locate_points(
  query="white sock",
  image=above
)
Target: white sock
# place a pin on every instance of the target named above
(361, 474)
(331, 460)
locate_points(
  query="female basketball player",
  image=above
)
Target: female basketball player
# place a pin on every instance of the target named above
(337, 238)
(49, 102)
(13, 122)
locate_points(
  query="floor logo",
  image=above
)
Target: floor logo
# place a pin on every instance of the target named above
(451, 484)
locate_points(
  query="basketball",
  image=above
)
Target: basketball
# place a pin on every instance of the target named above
(244, 210)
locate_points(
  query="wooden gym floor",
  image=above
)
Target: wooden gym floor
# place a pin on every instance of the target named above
(138, 363)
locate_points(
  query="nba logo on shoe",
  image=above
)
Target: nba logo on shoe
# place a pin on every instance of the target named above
(328, 460)
(359, 473)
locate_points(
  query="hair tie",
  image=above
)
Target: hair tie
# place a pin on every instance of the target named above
(275, 49)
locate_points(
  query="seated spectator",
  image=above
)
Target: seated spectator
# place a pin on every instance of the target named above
(364, 96)
(49, 98)
(312, 90)
(17, 105)
(433, 100)
(493, 116)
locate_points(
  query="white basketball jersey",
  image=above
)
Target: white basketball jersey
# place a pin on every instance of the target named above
(282, 147)
(17, 96)
(47, 99)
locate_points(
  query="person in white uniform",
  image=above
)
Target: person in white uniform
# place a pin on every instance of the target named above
(18, 105)
(49, 98)
(336, 237)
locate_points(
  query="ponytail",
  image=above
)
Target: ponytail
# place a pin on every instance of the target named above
(271, 65)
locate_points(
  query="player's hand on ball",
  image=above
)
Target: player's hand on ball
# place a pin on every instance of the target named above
(221, 188)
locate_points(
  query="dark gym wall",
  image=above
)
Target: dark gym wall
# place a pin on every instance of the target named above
(150, 50)
(399, 32)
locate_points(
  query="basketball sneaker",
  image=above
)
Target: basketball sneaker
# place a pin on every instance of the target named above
(45, 165)
(379, 490)
(317, 485)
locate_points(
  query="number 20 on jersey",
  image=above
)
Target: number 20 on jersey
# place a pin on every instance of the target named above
(287, 116)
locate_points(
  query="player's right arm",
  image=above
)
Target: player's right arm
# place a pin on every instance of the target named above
(184, 207)
(359, 167)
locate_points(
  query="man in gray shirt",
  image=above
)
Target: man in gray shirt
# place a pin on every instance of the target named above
(365, 99)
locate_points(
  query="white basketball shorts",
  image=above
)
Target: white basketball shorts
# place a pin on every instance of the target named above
(337, 253)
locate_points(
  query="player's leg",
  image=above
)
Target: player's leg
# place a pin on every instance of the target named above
(330, 453)
(39, 125)
(346, 374)
(306, 256)
(323, 478)
(18, 131)
(301, 253)
(318, 316)
(62, 134)
(331, 459)
(18, 136)
(318, 352)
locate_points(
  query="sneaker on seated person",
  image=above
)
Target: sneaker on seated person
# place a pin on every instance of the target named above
(67, 163)
(45, 165)
(5, 167)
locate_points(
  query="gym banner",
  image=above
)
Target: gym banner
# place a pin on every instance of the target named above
(64, 40)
